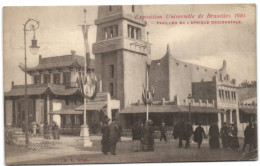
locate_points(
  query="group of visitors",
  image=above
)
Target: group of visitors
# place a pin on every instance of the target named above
(111, 134)
(183, 131)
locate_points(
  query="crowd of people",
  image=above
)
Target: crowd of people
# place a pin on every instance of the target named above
(143, 135)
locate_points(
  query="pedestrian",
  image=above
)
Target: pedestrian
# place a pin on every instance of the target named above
(254, 136)
(234, 144)
(199, 134)
(148, 136)
(55, 131)
(113, 135)
(179, 130)
(137, 134)
(187, 133)
(225, 135)
(163, 132)
(105, 138)
(34, 127)
(47, 131)
(214, 136)
(248, 136)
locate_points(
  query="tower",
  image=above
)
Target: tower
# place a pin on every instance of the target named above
(121, 52)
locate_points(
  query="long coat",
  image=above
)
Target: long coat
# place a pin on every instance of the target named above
(105, 140)
(187, 131)
(113, 133)
(214, 136)
(198, 134)
(137, 132)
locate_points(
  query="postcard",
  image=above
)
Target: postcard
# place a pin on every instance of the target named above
(129, 84)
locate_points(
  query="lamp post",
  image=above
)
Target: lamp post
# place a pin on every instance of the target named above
(34, 49)
(189, 100)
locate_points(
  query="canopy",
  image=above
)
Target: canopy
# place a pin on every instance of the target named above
(169, 109)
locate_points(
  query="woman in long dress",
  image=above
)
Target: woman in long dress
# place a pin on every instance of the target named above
(214, 136)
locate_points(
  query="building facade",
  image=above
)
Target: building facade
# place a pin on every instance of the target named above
(54, 96)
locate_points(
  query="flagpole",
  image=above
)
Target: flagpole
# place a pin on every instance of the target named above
(147, 83)
(84, 133)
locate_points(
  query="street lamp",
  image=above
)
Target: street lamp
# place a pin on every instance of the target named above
(34, 49)
(190, 101)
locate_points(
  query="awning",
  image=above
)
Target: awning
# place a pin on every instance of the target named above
(169, 109)
(95, 106)
(248, 110)
(66, 112)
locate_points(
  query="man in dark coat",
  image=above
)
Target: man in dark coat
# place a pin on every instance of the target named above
(163, 132)
(225, 135)
(187, 133)
(105, 140)
(214, 136)
(137, 135)
(199, 134)
(113, 136)
(179, 132)
(248, 134)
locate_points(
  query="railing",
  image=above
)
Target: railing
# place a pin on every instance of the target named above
(67, 85)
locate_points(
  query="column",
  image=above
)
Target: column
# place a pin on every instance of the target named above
(42, 78)
(134, 29)
(225, 115)
(114, 31)
(129, 31)
(219, 120)
(61, 78)
(51, 78)
(48, 109)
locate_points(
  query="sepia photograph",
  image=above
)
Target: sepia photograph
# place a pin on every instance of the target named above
(116, 84)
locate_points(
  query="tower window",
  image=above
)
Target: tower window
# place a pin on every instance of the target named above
(111, 89)
(110, 32)
(133, 8)
(112, 71)
(66, 78)
(37, 79)
(110, 8)
(47, 78)
(56, 78)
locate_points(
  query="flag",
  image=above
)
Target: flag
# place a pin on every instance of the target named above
(80, 84)
(85, 29)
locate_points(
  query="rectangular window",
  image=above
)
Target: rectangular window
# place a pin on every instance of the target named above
(66, 78)
(111, 89)
(110, 8)
(56, 78)
(223, 95)
(37, 79)
(133, 8)
(76, 120)
(46, 78)
(112, 71)
(234, 95)
(134, 32)
(67, 119)
(220, 94)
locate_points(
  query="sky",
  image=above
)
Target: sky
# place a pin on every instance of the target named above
(205, 45)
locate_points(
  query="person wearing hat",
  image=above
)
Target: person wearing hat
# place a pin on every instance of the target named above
(163, 132)
(187, 133)
(113, 135)
(105, 141)
(198, 135)
(234, 144)
(224, 131)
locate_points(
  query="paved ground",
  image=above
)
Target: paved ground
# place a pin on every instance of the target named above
(69, 150)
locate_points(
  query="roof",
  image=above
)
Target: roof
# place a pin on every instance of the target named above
(59, 62)
(249, 110)
(95, 106)
(169, 109)
(38, 89)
